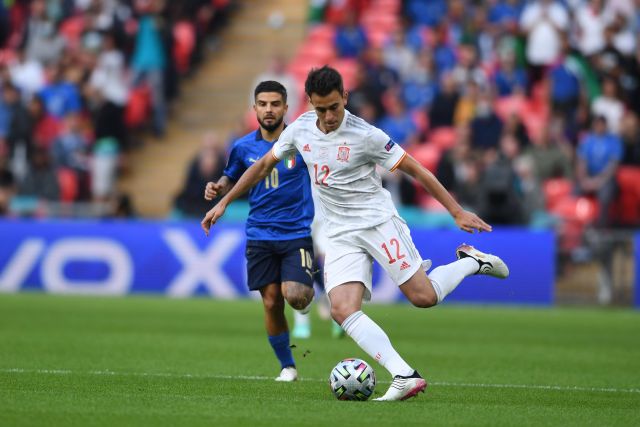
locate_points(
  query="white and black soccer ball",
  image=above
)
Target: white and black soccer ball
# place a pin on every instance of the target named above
(352, 379)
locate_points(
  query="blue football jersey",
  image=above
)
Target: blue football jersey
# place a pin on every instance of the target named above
(281, 206)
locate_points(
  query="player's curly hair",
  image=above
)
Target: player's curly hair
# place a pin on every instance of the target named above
(270, 86)
(323, 81)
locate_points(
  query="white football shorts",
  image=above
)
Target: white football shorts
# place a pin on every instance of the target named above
(349, 257)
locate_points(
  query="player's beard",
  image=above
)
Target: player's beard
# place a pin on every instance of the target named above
(272, 127)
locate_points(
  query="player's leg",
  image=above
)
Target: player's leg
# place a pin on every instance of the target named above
(346, 309)
(346, 304)
(297, 286)
(297, 272)
(263, 272)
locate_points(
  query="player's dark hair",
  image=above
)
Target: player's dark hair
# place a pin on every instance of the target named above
(323, 81)
(271, 86)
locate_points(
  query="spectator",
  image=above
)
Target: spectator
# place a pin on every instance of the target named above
(41, 182)
(509, 79)
(18, 136)
(60, 97)
(45, 127)
(277, 71)
(7, 189)
(549, 158)
(609, 105)
(467, 69)
(399, 56)
(207, 166)
(351, 39)
(41, 40)
(499, 200)
(564, 85)
(70, 151)
(109, 92)
(420, 86)
(398, 123)
(599, 154)
(486, 126)
(591, 21)
(630, 133)
(149, 62)
(543, 22)
(27, 74)
(444, 105)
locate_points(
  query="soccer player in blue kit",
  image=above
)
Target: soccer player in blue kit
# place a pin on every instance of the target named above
(279, 245)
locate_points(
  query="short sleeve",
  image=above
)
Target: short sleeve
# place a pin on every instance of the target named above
(384, 150)
(235, 166)
(285, 145)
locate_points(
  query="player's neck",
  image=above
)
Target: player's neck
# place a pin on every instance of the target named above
(273, 135)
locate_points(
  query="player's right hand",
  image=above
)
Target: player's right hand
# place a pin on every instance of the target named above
(212, 216)
(211, 190)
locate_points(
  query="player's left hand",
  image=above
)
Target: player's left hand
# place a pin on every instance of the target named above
(212, 216)
(470, 222)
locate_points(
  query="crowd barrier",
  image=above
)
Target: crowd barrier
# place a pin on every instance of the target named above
(176, 259)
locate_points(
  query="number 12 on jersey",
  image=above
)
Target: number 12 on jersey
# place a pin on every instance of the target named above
(321, 174)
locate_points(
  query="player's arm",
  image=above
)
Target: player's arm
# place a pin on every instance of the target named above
(258, 171)
(220, 188)
(466, 220)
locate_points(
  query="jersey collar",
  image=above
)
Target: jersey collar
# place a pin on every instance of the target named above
(259, 137)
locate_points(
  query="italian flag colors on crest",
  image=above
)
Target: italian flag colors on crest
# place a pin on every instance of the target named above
(290, 161)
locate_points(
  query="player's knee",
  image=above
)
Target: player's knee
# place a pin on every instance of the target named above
(340, 312)
(423, 299)
(298, 296)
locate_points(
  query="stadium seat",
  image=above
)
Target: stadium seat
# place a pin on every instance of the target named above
(443, 137)
(583, 210)
(555, 190)
(348, 68)
(428, 155)
(322, 33)
(68, 183)
(71, 29)
(316, 52)
(184, 36)
(508, 105)
(138, 108)
(250, 120)
(627, 209)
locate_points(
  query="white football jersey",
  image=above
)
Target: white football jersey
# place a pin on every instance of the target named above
(342, 167)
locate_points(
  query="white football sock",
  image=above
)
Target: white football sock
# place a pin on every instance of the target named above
(300, 318)
(447, 277)
(372, 339)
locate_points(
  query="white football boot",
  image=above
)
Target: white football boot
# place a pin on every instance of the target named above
(488, 264)
(288, 375)
(403, 388)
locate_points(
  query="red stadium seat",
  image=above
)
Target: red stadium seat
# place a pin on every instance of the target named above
(69, 186)
(508, 105)
(627, 209)
(348, 67)
(184, 36)
(316, 52)
(443, 137)
(72, 29)
(555, 190)
(138, 108)
(583, 210)
(250, 120)
(428, 155)
(322, 33)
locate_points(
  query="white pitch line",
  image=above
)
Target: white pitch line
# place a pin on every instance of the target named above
(263, 378)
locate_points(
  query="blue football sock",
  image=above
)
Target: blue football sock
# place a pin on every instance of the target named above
(280, 345)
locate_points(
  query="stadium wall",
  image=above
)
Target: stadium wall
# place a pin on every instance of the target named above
(176, 259)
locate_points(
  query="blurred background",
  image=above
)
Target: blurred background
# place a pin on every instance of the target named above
(115, 113)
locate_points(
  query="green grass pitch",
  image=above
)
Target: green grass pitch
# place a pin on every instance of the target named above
(155, 361)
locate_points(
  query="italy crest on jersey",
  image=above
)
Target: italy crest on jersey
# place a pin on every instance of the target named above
(343, 153)
(290, 161)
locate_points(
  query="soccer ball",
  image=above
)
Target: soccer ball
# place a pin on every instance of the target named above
(352, 379)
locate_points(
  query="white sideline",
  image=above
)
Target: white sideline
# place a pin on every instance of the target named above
(263, 378)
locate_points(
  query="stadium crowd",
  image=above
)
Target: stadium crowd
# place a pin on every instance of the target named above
(526, 110)
(78, 78)
(521, 108)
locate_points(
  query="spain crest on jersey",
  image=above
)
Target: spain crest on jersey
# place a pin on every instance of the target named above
(290, 161)
(343, 153)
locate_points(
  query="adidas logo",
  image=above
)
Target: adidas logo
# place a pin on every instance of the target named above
(404, 265)
(306, 148)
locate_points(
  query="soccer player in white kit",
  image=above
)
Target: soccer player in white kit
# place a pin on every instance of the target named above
(362, 224)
